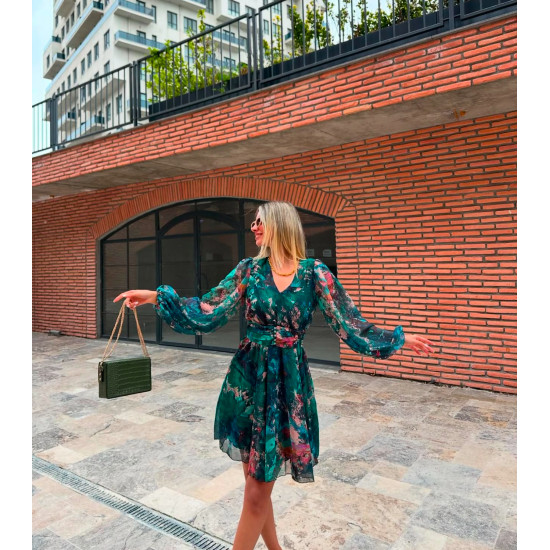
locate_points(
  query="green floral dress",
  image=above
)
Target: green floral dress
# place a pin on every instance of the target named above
(266, 414)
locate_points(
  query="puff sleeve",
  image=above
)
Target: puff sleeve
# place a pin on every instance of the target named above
(186, 314)
(344, 318)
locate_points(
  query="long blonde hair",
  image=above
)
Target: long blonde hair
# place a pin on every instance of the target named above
(283, 233)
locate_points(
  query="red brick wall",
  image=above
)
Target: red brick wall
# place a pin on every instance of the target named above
(461, 59)
(428, 215)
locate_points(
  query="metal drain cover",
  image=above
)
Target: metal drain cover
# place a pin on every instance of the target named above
(167, 525)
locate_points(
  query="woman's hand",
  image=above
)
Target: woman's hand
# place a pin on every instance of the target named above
(134, 298)
(418, 344)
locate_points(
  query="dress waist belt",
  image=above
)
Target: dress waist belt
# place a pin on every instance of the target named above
(273, 336)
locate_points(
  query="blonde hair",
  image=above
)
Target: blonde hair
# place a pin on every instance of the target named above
(283, 233)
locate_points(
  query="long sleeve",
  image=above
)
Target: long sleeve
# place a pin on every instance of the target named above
(345, 319)
(186, 314)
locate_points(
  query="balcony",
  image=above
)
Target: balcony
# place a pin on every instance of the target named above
(63, 8)
(137, 43)
(193, 4)
(138, 13)
(57, 62)
(67, 121)
(94, 124)
(95, 94)
(225, 39)
(52, 48)
(84, 24)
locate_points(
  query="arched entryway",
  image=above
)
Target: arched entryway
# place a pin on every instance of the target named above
(192, 246)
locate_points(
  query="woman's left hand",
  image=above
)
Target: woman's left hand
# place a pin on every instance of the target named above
(418, 344)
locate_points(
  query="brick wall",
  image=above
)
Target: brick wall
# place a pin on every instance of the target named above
(425, 219)
(428, 215)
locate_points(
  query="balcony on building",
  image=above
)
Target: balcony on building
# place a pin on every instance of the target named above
(84, 24)
(68, 121)
(134, 11)
(52, 48)
(57, 61)
(63, 8)
(101, 91)
(193, 4)
(226, 40)
(94, 124)
(135, 42)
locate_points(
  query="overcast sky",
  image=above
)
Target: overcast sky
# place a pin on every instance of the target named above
(42, 23)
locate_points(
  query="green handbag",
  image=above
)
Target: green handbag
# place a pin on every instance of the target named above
(118, 377)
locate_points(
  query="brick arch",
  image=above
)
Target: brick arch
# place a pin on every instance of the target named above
(308, 198)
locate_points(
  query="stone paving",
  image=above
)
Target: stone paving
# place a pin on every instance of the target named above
(403, 465)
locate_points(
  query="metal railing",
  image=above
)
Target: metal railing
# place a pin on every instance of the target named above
(241, 55)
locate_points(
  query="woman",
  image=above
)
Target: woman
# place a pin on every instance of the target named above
(266, 414)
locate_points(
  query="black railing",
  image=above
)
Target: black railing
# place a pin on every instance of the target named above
(255, 50)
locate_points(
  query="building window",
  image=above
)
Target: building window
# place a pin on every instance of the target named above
(63, 86)
(249, 10)
(154, 37)
(47, 61)
(266, 27)
(142, 37)
(78, 10)
(276, 30)
(96, 51)
(172, 20)
(229, 63)
(56, 21)
(75, 72)
(62, 33)
(141, 6)
(106, 67)
(67, 27)
(277, 9)
(83, 94)
(143, 97)
(119, 104)
(108, 112)
(68, 82)
(234, 8)
(96, 83)
(82, 66)
(72, 19)
(209, 6)
(85, 3)
(190, 26)
(106, 40)
(89, 58)
(154, 8)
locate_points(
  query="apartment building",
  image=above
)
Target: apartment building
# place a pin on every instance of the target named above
(91, 41)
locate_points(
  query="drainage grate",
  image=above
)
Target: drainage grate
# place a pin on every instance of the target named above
(149, 517)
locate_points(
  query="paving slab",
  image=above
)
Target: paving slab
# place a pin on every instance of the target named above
(403, 465)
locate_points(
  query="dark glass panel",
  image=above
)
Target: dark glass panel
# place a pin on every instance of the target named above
(209, 225)
(186, 227)
(109, 322)
(120, 234)
(144, 227)
(227, 207)
(172, 212)
(147, 321)
(320, 341)
(115, 254)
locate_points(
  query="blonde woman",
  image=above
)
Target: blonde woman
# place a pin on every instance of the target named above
(266, 414)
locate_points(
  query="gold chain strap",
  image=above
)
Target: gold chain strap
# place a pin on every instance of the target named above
(121, 319)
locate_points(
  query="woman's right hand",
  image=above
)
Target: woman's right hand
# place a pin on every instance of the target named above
(134, 298)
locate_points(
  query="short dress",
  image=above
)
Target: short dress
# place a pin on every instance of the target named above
(266, 414)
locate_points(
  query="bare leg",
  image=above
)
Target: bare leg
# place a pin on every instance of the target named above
(257, 495)
(269, 533)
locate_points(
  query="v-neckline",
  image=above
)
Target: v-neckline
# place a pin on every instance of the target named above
(291, 282)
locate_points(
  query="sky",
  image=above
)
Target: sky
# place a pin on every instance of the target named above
(42, 23)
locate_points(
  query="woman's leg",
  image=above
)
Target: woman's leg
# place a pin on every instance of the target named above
(269, 533)
(257, 498)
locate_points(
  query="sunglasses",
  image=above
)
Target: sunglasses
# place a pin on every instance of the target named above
(256, 223)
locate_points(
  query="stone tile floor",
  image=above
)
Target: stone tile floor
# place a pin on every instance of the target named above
(402, 465)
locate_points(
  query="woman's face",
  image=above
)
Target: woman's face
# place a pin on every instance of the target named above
(257, 228)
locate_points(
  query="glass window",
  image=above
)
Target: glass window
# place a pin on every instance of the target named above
(72, 19)
(82, 66)
(266, 27)
(47, 61)
(63, 86)
(172, 20)
(141, 6)
(190, 26)
(119, 104)
(96, 51)
(154, 8)
(234, 8)
(249, 10)
(209, 6)
(108, 112)
(277, 9)
(78, 10)
(141, 36)
(62, 33)
(89, 58)
(106, 40)
(68, 81)
(276, 30)
(107, 67)
(85, 3)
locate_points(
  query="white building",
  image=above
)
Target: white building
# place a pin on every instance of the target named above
(92, 39)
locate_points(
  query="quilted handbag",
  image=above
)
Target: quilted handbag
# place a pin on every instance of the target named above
(118, 377)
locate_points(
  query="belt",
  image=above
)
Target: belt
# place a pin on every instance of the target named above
(273, 336)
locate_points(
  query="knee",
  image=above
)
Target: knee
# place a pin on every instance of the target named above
(257, 494)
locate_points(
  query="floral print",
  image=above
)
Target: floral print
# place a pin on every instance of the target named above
(266, 413)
